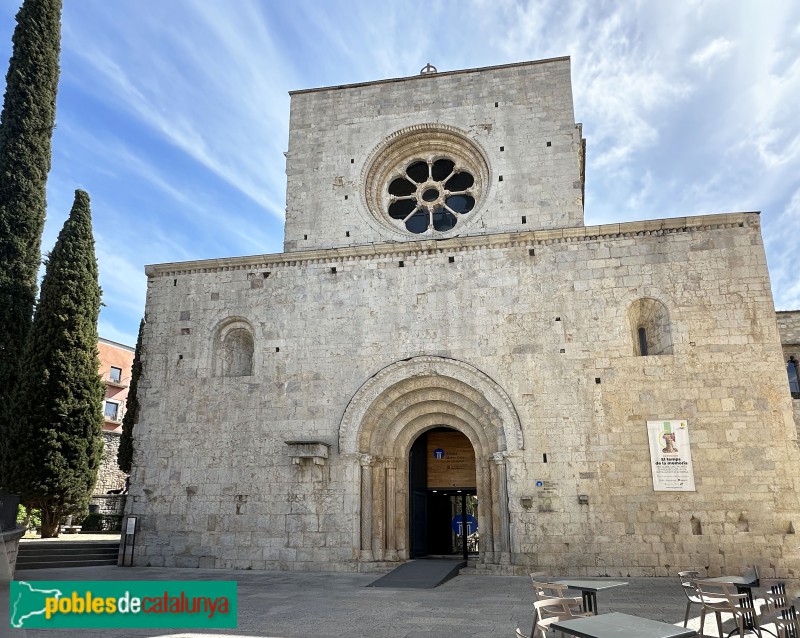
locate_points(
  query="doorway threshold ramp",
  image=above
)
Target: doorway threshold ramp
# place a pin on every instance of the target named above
(425, 573)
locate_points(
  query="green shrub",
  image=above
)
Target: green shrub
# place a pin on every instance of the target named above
(34, 517)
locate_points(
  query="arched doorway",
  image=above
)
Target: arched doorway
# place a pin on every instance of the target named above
(384, 419)
(443, 495)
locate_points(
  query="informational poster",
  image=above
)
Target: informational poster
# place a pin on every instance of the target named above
(670, 455)
(451, 460)
(546, 496)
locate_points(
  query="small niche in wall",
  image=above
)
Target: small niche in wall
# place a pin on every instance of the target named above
(697, 526)
(743, 525)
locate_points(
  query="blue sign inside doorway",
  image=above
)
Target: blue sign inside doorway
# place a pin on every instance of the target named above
(438, 454)
(458, 525)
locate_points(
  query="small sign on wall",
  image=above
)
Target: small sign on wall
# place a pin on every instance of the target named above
(670, 455)
(546, 496)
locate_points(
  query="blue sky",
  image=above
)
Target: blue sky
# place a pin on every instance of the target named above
(174, 115)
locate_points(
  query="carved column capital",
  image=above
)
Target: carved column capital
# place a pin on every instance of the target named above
(366, 460)
(500, 457)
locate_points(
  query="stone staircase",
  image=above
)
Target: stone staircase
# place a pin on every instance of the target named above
(52, 554)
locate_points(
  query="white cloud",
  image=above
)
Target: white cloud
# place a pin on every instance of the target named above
(227, 116)
(715, 51)
(187, 95)
(108, 330)
(782, 254)
(123, 281)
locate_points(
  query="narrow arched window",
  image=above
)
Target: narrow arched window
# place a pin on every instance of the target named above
(650, 328)
(237, 353)
(794, 378)
(233, 349)
(642, 341)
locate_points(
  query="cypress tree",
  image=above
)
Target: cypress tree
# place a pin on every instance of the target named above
(58, 404)
(125, 451)
(26, 129)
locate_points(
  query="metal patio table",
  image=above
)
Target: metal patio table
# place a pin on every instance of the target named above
(617, 625)
(589, 589)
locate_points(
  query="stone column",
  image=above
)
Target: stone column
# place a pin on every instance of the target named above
(502, 506)
(366, 507)
(378, 511)
(485, 518)
(391, 511)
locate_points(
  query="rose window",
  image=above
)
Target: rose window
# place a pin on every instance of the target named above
(428, 181)
(431, 195)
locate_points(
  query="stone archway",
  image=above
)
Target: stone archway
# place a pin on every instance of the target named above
(389, 412)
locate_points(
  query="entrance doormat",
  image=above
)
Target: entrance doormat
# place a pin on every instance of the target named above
(425, 573)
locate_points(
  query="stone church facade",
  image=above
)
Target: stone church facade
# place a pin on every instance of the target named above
(439, 288)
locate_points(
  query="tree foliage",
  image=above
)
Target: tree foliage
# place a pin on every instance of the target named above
(125, 452)
(58, 404)
(26, 128)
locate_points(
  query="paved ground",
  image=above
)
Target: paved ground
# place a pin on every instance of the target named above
(327, 605)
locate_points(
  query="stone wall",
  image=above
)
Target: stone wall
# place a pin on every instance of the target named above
(796, 405)
(518, 116)
(110, 477)
(9, 548)
(109, 503)
(543, 317)
(789, 329)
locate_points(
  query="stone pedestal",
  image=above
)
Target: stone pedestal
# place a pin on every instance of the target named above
(9, 545)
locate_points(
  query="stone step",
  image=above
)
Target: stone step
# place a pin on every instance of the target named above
(72, 563)
(50, 551)
(44, 554)
(65, 558)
